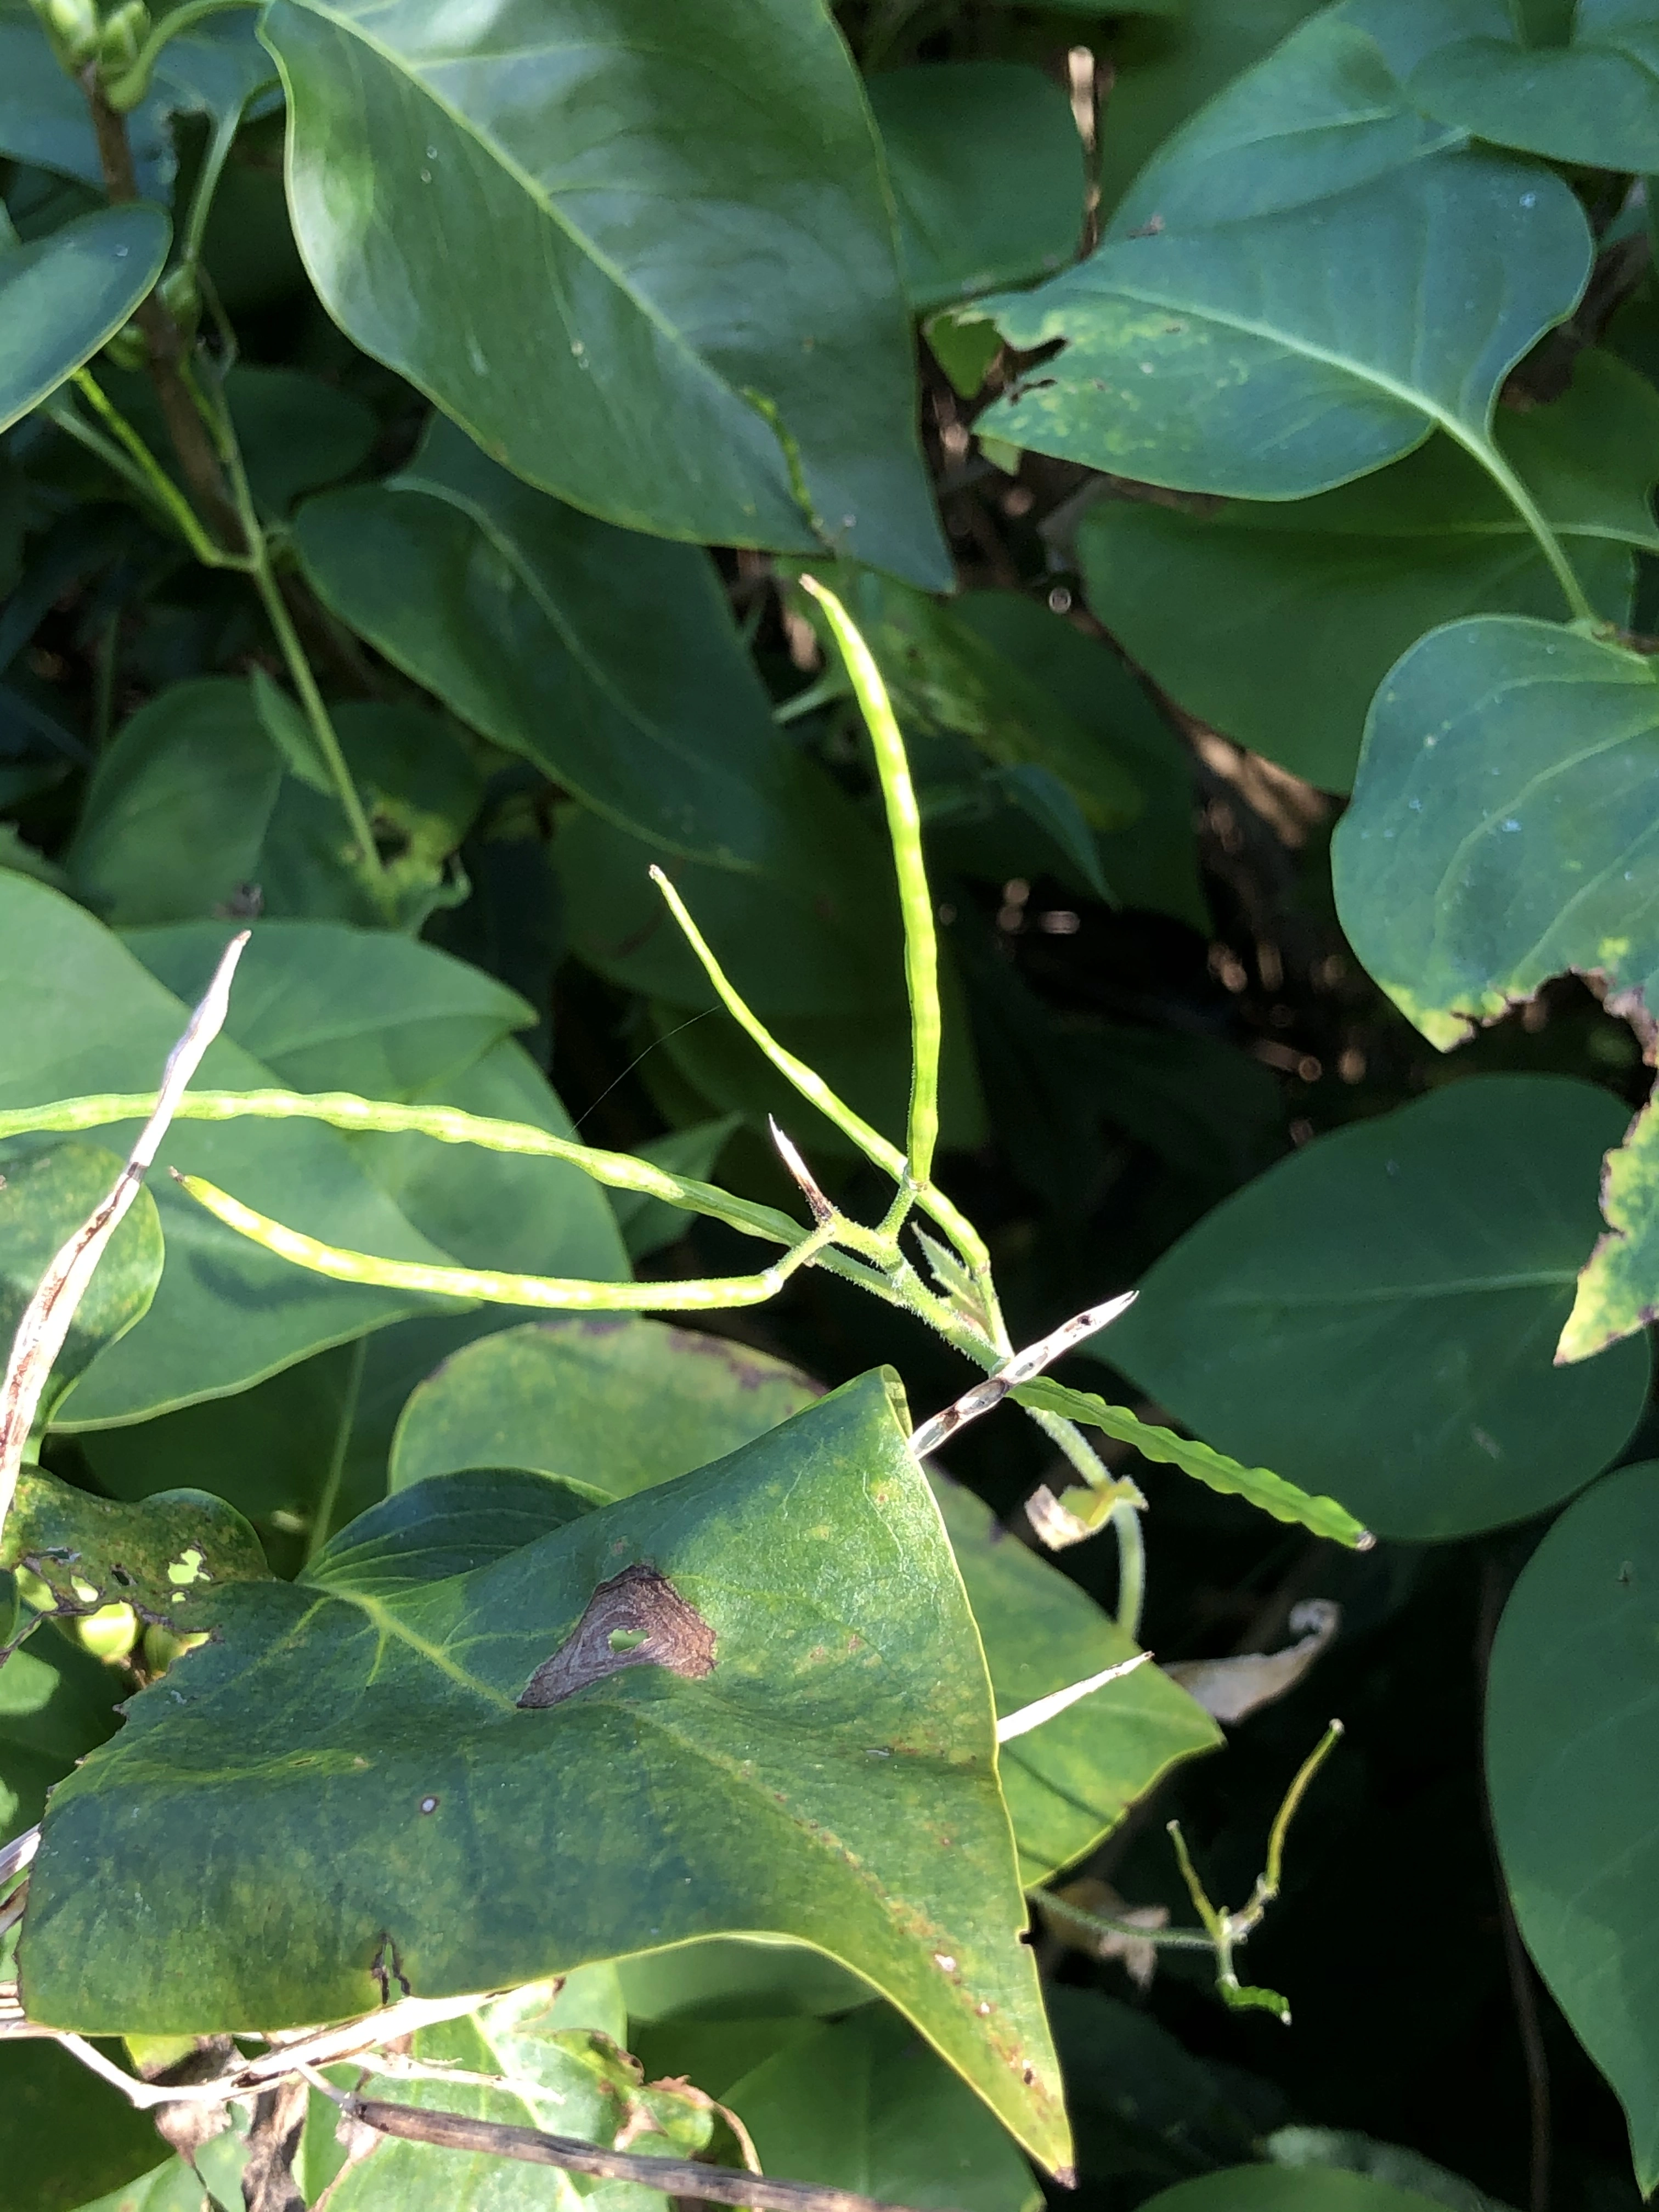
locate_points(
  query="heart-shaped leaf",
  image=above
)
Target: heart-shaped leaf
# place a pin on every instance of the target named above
(1593, 100)
(1376, 1315)
(768, 1745)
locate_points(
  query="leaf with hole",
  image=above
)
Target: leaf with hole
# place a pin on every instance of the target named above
(1285, 300)
(665, 247)
(1376, 1315)
(808, 1777)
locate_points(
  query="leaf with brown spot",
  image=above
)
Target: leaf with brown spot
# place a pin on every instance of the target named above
(637, 1618)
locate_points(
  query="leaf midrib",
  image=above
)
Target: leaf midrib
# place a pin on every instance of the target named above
(351, 26)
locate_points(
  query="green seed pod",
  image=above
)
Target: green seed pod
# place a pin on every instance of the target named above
(73, 27)
(123, 38)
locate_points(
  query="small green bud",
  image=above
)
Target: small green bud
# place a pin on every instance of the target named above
(127, 349)
(73, 27)
(123, 40)
(181, 296)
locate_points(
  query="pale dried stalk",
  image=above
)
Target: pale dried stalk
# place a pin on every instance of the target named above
(1022, 1368)
(45, 1327)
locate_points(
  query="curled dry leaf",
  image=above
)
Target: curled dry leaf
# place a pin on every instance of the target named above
(1230, 1690)
(46, 1322)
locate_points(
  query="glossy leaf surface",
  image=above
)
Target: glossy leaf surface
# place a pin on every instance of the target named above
(668, 301)
(1574, 1680)
(63, 296)
(853, 1734)
(1376, 1316)
(1595, 100)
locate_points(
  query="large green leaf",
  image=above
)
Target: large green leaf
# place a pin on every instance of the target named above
(664, 243)
(612, 1403)
(1071, 1780)
(330, 1008)
(1502, 827)
(1575, 1792)
(1375, 1316)
(1593, 100)
(83, 1016)
(609, 660)
(1284, 301)
(1168, 64)
(792, 1763)
(859, 2103)
(987, 172)
(1308, 603)
(63, 296)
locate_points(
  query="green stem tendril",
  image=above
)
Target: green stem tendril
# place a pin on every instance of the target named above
(915, 900)
(1225, 1930)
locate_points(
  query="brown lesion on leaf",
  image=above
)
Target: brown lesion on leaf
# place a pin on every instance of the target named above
(637, 1618)
(386, 1967)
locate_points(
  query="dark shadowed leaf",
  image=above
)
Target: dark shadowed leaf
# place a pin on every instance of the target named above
(1376, 1316)
(609, 660)
(987, 172)
(1595, 100)
(1574, 1680)
(859, 2103)
(1295, 2189)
